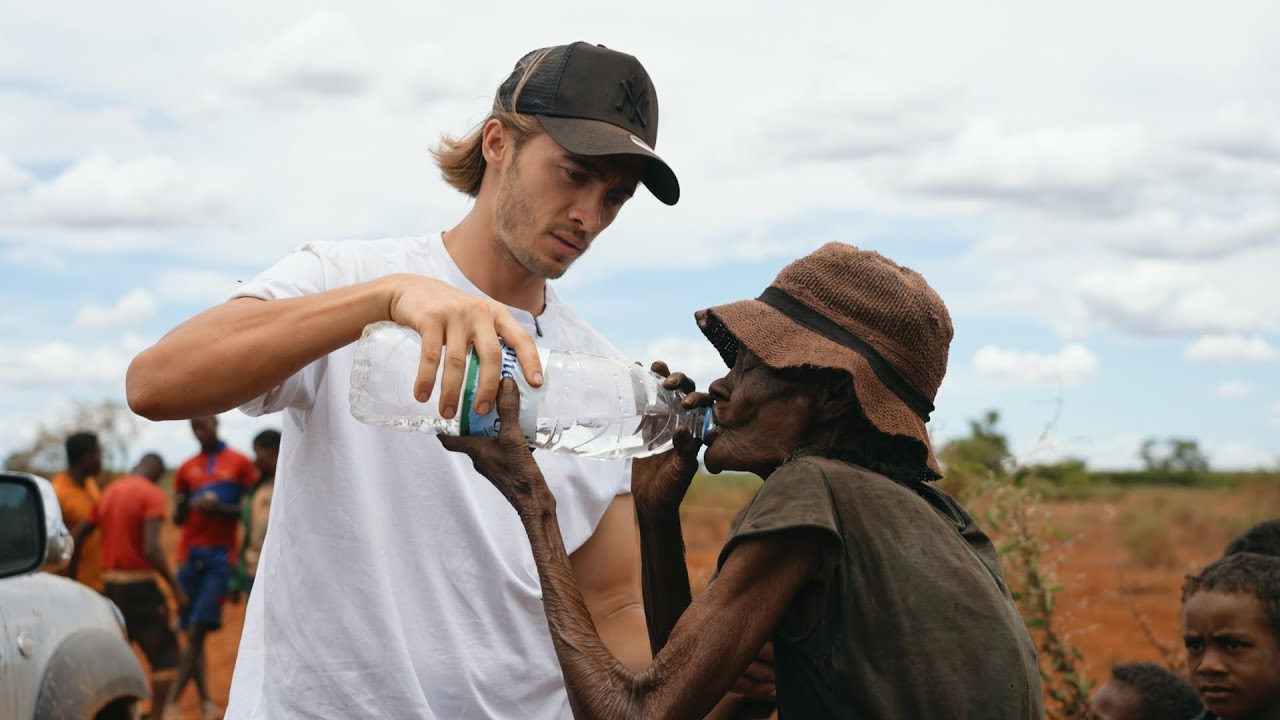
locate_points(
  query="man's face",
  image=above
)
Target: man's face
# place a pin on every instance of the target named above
(1232, 654)
(760, 417)
(265, 459)
(93, 461)
(206, 432)
(552, 204)
(1116, 701)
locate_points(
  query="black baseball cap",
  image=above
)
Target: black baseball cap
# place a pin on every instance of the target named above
(594, 101)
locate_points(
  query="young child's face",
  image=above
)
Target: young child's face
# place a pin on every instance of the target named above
(1115, 701)
(1232, 653)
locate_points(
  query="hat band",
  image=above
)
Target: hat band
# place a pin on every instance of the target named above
(788, 305)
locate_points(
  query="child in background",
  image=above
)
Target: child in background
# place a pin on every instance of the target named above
(266, 450)
(1231, 627)
(1144, 691)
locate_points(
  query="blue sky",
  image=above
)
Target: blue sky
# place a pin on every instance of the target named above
(1094, 189)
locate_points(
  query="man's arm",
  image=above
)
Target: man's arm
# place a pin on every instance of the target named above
(78, 536)
(233, 352)
(607, 567)
(155, 555)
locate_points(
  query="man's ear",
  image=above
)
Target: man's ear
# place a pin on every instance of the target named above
(495, 142)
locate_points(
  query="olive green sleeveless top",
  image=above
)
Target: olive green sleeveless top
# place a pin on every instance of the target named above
(909, 617)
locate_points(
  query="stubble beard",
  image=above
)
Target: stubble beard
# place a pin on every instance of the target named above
(514, 222)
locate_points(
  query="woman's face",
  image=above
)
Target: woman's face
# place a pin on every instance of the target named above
(760, 417)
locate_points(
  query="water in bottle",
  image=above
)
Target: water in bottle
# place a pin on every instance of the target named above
(589, 405)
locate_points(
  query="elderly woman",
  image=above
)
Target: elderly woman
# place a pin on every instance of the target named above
(881, 596)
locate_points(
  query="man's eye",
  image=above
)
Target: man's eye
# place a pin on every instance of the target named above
(576, 177)
(1193, 645)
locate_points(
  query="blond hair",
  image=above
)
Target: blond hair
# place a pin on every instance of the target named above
(461, 159)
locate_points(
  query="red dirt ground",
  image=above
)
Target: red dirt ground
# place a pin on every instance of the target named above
(1118, 560)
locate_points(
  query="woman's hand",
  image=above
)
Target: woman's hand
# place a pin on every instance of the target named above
(506, 460)
(660, 481)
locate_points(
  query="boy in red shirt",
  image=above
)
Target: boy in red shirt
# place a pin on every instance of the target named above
(208, 490)
(128, 515)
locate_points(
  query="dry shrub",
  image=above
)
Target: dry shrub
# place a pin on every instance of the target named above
(1011, 513)
(1149, 541)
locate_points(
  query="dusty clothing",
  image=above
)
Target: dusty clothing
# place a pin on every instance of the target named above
(77, 503)
(909, 616)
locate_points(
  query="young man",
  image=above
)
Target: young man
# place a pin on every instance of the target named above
(1144, 691)
(207, 491)
(128, 515)
(77, 491)
(253, 518)
(1231, 627)
(394, 581)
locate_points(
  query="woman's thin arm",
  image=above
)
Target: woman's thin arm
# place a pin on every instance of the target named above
(710, 645)
(664, 574)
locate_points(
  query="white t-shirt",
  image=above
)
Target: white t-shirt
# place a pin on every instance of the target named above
(395, 581)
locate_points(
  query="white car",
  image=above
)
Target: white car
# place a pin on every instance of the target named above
(63, 650)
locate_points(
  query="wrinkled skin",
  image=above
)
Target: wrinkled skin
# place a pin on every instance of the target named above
(1233, 655)
(760, 418)
(706, 647)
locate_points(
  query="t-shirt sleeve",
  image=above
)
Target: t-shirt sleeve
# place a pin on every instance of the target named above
(795, 496)
(299, 273)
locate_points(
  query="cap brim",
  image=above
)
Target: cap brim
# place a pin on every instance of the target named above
(596, 137)
(780, 342)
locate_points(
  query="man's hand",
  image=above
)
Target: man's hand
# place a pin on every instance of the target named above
(207, 501)
(506, 460)
(456, 321)
(758, 680)
(660, 481)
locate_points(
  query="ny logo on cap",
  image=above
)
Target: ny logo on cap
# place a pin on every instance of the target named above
(634, 103)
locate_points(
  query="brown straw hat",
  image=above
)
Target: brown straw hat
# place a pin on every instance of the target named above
(853, 310)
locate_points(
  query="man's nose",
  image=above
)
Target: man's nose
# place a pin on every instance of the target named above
(588, 212)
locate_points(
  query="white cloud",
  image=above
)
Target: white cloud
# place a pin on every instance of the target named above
(58, 363)
(35, 258)
(319, 56)
(1070, 366)
(1233, 389)
(12, 177)
(100, 192)
(204, 286)
(1237, 456)
(134, 310)
(1082, 169)
(1164, 297)
(1232, 349)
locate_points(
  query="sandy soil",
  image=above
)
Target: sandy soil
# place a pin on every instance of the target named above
(1114, 579)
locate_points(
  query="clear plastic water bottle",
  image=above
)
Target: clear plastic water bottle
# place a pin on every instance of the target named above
(589, 405)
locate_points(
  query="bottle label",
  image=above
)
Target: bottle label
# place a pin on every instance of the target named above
(488, 425)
